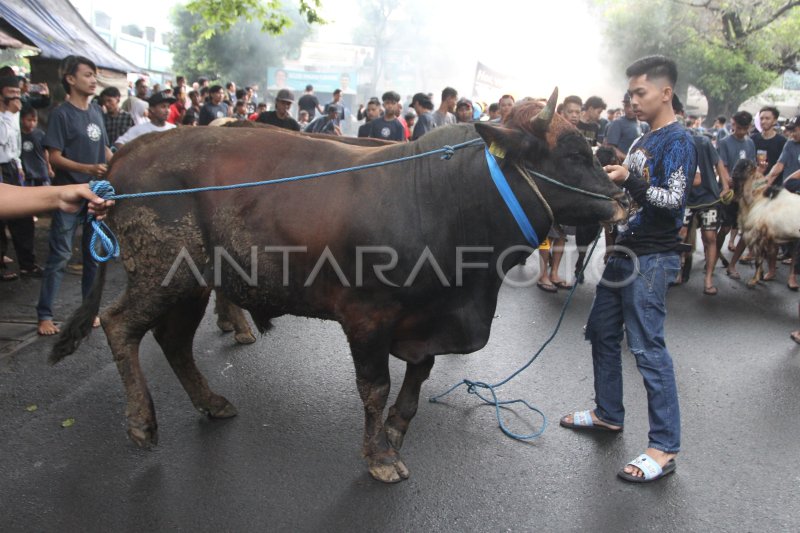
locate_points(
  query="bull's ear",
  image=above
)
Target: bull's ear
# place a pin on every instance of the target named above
(499, 138)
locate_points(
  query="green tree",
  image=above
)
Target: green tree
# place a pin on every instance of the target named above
(219, 16)
(730, 50)
(242, 53)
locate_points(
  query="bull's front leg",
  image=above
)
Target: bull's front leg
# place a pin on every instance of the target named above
(404, 409)
(371, 359)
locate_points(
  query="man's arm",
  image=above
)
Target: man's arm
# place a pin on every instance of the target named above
(793, 176)
(724, 177)
(670, 194)
(59, 161)
(777, 168)
(24, 201)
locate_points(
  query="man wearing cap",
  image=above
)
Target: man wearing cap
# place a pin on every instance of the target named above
(423, 105)
(624, 130)
(281, 117)
(789, 161)
(326, 123)
(464, 111)
(159, 111)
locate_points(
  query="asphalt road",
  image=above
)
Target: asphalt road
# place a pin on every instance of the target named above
(291, 460)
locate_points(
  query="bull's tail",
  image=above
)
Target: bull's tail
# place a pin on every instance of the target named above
(80, 323)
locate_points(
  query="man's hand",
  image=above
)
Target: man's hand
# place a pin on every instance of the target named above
(98, 171)
(71, 198)
(617, 173)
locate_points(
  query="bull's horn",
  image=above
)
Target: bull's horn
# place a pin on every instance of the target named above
(541, 122)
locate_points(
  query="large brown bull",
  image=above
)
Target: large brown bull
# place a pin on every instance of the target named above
(412, 294)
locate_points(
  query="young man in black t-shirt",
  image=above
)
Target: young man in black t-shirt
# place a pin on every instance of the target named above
(768, 141)
(78, 146)
(309, 103)
(281, 117)
(213, 109)
(388, 127)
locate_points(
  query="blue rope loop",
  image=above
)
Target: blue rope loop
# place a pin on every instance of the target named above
(101, 232)
(447, 152)
(474, 387)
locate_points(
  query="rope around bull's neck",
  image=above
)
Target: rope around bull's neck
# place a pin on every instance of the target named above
(105, 190)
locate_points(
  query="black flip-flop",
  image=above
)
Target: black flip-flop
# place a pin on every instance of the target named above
(794, 288)
(710, 291)
(651, 470)
(562, 285)
(9, 276)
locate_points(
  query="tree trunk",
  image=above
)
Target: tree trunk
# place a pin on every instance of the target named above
(717, 107)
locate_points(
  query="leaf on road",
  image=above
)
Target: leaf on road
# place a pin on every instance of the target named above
(69, 422)
(32, 407)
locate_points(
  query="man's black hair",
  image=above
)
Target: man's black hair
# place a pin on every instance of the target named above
(677, 105)
(449, 92)
(654, 67)
(69, 67)
(494, 107)
(722, 119)
(743, 118)
(595, 102)
(390, 96)
(572, 99)
(28, 110)
(9, 81)
(240, 94)
(771, 109)
(214, 89)
(337, 91)
(309, 87)
(201, 80)
(229, 85)
(203, 92)
(111, 92)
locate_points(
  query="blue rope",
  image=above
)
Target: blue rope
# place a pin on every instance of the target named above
(104, 190)
(474, 387)
(446, 151)
(101, 231)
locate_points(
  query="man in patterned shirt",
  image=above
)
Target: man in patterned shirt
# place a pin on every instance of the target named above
(116, 120)
(633, 290)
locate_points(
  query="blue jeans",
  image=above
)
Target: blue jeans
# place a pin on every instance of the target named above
(62, 233)
(636, 298)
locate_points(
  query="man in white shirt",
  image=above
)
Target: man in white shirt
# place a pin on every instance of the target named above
(159, 111)
(137, 105)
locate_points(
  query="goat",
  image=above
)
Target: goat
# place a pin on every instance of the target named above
(767, 215)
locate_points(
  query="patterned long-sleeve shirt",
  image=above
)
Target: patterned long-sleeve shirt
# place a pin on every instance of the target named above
(661, 163)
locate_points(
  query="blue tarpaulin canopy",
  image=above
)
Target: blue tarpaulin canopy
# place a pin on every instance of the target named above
(57, 29)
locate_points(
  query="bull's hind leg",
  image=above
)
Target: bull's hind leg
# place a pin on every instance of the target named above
(174, 333)
(404, 409)
(371, 358)
(125, 323)
(231, 318)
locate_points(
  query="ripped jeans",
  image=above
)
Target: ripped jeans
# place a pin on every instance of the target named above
(636, 298)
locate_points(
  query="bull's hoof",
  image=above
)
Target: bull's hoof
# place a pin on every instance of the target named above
(394, 436)
(225, 326)
(752, 284)
(144, 435)
(220, 408)
(388, 469)
(244, 338)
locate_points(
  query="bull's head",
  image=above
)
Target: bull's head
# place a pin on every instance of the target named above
(548, 144)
